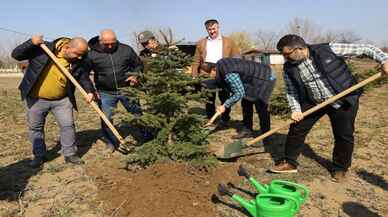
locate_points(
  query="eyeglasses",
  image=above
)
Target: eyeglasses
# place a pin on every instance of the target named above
(292, 51)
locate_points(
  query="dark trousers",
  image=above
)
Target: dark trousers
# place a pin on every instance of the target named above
(107, 103)
(261, 110)
(342, 123)
(223, 95)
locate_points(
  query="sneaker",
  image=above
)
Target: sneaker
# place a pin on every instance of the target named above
(244, 133)
(222, 124)
(339, 176)
(284, 167)
(37, 162)
(108, 144)
(74, 159)
(110, 147)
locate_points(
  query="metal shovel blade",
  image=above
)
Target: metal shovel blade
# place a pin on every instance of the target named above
(227, 151)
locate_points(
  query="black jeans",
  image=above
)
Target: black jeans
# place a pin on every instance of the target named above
(342, 123)
(223, 95)
(261, 110)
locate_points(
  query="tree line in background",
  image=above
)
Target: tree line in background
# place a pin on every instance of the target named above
(260, 39)
(310, 31)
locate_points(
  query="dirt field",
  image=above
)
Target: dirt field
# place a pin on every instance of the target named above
(100, 188)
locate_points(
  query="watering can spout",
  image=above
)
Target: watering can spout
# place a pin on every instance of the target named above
(248, 205)
(259, 187)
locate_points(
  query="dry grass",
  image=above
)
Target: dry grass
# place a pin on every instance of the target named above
(62, 190)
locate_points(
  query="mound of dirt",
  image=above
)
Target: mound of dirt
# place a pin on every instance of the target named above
(163, 190)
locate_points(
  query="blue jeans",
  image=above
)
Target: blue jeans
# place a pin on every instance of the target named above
(107, 103)
(37, 111)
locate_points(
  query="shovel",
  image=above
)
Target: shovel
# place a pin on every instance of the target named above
(210, 122)
(124, 145)
(234, 149)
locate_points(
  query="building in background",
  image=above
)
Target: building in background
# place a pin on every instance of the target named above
(271, 57)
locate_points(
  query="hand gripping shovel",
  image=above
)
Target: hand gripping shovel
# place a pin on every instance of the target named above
(124, 145)
(234, 149)
(208, 125)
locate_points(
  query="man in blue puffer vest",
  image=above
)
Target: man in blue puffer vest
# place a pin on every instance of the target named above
(248, 81)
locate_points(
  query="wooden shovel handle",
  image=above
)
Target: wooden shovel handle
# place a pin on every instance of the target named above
(83, 92)
(319, 106)
(212, 119)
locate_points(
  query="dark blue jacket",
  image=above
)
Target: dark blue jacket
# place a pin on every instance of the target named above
(38, 59)
(256, 77)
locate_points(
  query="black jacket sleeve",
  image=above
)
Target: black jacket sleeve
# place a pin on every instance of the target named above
(84, 76)
(137, 64)
(24, 51)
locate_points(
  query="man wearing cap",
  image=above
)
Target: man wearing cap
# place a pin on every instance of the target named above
(114, 65)
(149, 43)
(209, 50)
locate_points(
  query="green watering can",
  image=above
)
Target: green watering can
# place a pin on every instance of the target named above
(281, 187)
(265, 205)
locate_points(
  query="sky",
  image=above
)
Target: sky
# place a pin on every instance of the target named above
(86, 18)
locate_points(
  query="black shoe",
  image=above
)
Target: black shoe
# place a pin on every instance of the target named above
(74, 159)
(244, 133)
(222, 124)
(37, 162)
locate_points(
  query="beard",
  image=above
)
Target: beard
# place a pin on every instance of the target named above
(295, 62)
(297, 59)
(109, 50)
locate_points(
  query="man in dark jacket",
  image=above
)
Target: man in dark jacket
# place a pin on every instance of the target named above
(247, 80)
(313, 74)
(45, 88)
(114, 65)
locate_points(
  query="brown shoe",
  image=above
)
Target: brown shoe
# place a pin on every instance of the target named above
(339, 176)
(284, 167)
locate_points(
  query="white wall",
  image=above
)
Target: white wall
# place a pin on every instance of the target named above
(276, 59)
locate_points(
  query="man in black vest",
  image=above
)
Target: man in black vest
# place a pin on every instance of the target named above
(247, 80)
(312, 74)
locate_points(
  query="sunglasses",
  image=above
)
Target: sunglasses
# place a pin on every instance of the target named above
(292, 51)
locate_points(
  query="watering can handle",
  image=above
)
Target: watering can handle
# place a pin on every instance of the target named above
(306, 191)
(296, 206)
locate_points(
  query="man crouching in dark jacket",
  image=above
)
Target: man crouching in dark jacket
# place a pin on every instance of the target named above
(113, 63)
(248, 81)
(45, 88)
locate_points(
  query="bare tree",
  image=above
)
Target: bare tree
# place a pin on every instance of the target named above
(348, 37)
(327, 37)
(304, 28)
(266, 40)
(243, 40)
(6, 47)
(314, 33)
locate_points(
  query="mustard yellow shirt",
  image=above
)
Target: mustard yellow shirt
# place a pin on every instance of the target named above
(52, 83)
